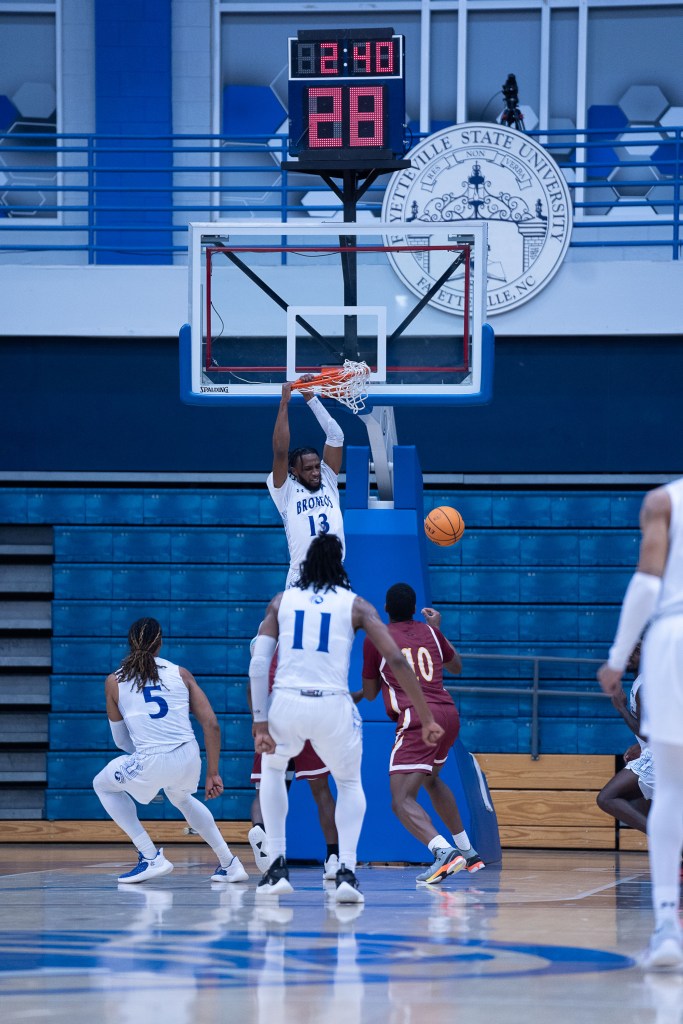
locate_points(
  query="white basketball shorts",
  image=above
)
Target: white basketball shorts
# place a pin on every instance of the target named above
(143, 775)
(644, 770)
(331, 722)
(662, 690)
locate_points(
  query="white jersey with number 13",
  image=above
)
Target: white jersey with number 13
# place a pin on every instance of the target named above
(306, 514)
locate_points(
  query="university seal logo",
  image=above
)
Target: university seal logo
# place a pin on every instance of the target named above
(482, 172)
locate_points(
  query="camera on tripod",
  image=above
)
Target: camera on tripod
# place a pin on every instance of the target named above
(512, 116)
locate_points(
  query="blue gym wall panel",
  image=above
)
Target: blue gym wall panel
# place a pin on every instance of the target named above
(535, 423)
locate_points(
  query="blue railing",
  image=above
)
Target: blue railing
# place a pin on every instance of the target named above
(128, 199)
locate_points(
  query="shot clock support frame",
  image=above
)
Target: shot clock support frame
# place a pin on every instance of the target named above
(355, 180)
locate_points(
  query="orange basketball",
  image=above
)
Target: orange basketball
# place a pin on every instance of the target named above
(444, 525)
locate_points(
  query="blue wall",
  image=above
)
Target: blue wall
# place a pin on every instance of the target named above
(587, 405)
(133, 89)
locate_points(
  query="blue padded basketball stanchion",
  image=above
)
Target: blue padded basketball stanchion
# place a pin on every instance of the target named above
(387, 545)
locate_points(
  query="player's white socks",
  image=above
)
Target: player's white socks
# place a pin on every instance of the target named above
(462, 842)
(202, 821)
(665, 831)
(438, 843)
(145, 845)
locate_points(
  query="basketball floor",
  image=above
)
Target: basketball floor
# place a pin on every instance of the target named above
(549, 936)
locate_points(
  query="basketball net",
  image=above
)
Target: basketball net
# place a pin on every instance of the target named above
(348, 384)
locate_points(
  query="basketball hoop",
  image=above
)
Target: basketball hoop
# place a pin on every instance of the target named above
(347, 384)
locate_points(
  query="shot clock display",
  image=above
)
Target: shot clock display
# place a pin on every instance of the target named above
(346, 95)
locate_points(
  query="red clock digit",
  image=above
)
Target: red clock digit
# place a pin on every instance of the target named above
(324, 117)
(329, 59)
(366, 118)
(384, 57)
(362, 56)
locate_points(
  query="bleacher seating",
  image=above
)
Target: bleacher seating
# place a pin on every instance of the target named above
(536, 573)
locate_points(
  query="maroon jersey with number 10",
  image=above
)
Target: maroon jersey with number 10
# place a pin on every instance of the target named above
(426, 650)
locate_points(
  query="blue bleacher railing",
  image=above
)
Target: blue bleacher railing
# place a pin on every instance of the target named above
(535, 690)
(89, 196)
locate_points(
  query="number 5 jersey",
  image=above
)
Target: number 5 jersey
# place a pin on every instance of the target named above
(158, 716)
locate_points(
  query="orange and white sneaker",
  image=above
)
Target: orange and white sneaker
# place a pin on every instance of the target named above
(474, 862)
(446, 862)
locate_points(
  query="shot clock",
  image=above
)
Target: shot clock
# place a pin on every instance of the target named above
(346, 95)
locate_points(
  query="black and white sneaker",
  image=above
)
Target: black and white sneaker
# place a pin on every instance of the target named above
(348, 890)
(275, 882)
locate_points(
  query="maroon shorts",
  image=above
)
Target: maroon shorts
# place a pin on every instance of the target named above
(306, 765)
(411, 754)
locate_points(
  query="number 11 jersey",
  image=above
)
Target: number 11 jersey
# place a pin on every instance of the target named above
(315, 639)
(306, 514)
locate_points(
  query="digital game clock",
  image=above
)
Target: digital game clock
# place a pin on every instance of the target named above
(346, 94)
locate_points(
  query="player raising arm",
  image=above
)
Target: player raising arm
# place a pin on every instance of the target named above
(304, 487)
(655, 594)
(413, 764)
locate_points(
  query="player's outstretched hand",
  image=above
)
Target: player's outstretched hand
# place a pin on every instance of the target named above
(213, 787)
(432, 733)
(609, 679)
(286, 393)
(308, 395)
(263, 741)
(432, 617)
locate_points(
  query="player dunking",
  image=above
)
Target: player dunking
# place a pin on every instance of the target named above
(315, 622)
(303, 487)
(148, 704)
(304, 490)
(413, 763)
(655, 594)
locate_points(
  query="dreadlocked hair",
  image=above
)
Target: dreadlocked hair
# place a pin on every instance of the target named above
(322, 567)
(298, 453)
(144, 637)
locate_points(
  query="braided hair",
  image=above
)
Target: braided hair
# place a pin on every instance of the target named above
(144, 638)
(322, 566)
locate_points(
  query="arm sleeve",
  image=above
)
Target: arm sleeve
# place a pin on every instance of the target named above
(122, 739)
(264, 648)
(637, 608)
(334, 435)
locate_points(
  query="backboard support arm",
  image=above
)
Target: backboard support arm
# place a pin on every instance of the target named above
(380, 424)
